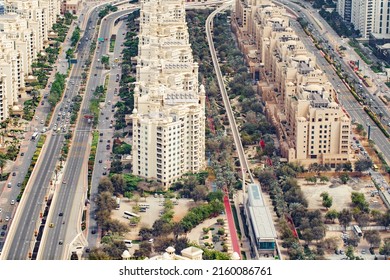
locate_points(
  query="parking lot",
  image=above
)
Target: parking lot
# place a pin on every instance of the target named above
(151, 214)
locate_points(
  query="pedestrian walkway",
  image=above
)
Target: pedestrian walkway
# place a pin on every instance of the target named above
(195, 234)
(232, 227)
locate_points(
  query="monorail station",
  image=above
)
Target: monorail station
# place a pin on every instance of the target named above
(259, 221)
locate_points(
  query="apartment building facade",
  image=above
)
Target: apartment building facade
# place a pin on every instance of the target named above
(24, 32)
(300, 101)
(169, 105)
(344, 9)
(367, 16)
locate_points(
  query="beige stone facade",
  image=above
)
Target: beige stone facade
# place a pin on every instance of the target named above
(24, 32)
(70, 6)
(300, 101)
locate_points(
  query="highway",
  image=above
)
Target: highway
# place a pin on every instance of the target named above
(61, 240)
(27, 149)
(107, 133)
(23, 240)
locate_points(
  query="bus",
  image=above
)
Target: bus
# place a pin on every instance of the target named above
(129, 215)
(34, 136)
(357, 230)
(118, 203)
(144, 205)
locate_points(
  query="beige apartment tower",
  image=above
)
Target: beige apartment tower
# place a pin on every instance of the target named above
(300, 101)
(169, 105)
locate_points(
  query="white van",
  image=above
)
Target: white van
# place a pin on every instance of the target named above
(128, 243)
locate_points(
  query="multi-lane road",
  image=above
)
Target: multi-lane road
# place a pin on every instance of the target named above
(22, 241)
(28, 221)
(63, 239)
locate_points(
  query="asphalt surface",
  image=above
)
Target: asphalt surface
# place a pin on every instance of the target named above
(106, 132)
(27, 150)
(75, 188)
(22, 241)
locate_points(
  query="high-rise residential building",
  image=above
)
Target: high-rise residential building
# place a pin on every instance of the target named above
(382, 17)
(23, 34)
(367, 16)
(363, 16)
(300, 101)
(3, 99)
(344, 9)
(11, 67)
(37, 17)
(169, 105)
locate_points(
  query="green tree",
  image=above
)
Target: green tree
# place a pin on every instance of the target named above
(363, 164)
(327, 203)
(199, 193)
(145, 250)
(118, 183)
(385, 219)
(116, 166)
(75, 36)
(105, 185)
(3, 162)
(359, 201)
(350, 253)
(385, 249)
(344, 177)
(105, 60)
(324, 179)
(345, 217)
(373, 238)
(332, 215)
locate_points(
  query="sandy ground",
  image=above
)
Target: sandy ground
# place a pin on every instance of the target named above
(151, 215)
(340, 193)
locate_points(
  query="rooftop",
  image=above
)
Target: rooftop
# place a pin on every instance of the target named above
(260, 215)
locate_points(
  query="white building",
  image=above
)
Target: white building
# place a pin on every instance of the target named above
(371, 16)
(169, 106)
(190, 253)
(344, 9)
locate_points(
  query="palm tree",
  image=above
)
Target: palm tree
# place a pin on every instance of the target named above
(2, 164)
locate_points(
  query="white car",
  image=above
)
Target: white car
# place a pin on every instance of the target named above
(12, 202)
